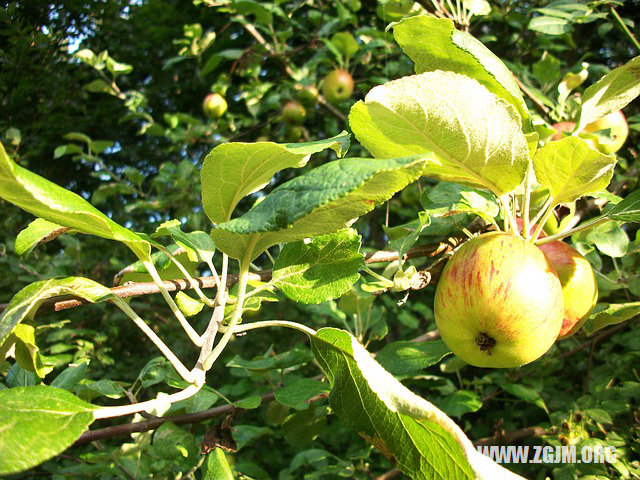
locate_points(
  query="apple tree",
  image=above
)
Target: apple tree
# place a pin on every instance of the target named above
(321, 241)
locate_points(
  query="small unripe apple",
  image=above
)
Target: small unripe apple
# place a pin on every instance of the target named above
(619, 131)
(293, 113)
(293, 133)
(561, 127)
(308, 95)
(498, 302)
(337, 86)
(214, 105)
(579, 286)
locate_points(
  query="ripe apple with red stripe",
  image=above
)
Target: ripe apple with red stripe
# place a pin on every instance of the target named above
(579, 285)
(498, 302)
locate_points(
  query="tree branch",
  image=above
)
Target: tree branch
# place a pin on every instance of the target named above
(153, 423)
(149, 288)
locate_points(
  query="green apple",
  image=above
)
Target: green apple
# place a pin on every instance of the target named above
(293, 113)
(214, 105)
(308, 95)
(614, 132)
(337, 86)
(293, 133)
(498, 302)
(579, 286)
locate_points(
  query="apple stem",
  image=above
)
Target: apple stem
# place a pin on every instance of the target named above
(509, 220)
(526, 203)
(543, 220)
(559, 236)
(542, 210)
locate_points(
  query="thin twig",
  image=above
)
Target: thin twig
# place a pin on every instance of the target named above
(541, 106)
(625, 29)
(139, 289)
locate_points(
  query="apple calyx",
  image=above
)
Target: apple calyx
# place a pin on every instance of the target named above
(485, 342)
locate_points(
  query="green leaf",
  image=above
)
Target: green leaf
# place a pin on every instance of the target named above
(217, 58)
(571, 168)
(526, 394)
(297, 394)
(98, 86)
(611, 314)
(249, 403)
(422, 441)
(346, 44)
(435, 44)
(217, 467)
(86, 56)
(26, 353)
(198, 244)
(245, 434)
(321, 201)
(303, 427)
(118, 68)
(452, 198)
(320, 270)
(88, 390)
(234, 170)
(612, 92)
(55, 204)
(474, 135)
(404, 358)
(610, 238)
(298, 355)
(547, 69)
(550, 25)
(26, 302)
(19, 377)
(70, 376)
(188, 305)
(477, 7)
(77, 137)
(37, 232)
(460, 402)
(403, 237)
(137, 272)
(628, 210)
(70, 149)
(172, 442)
(38, 423)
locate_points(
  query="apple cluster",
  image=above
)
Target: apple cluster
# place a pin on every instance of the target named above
(502, 302)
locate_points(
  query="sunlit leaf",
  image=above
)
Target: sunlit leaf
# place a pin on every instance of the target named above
(320, 270)
(435, 44)
(38, 423)
(475, 136)
(612, 92)
(55, 204)
(571, 168)
(321, 201)
(234, 170)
